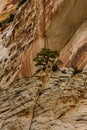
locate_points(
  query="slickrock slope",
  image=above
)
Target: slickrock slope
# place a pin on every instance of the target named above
(39, 23)
(58, 103)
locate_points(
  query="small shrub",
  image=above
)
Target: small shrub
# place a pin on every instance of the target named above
(76, 70)
(54, 67)
(46, 59)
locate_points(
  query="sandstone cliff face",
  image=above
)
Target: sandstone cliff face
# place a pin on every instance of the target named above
(75, 52)
(7, 7)
(38, 23)
(58, 103)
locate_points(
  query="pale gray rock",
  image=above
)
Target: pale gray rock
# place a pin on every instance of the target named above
(58, 103)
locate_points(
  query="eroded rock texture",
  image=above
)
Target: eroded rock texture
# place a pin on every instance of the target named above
(7, 7)
(58, 103)
(59, 24)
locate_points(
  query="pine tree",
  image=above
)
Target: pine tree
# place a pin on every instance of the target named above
(46, 57)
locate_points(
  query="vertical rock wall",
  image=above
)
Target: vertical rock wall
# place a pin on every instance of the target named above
(37, 24)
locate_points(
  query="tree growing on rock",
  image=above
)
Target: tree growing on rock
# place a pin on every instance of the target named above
(47, 58)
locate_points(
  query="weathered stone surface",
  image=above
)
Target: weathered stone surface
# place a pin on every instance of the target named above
(58, 103)
(38, 24)
(75, 52)
(7, 7)
(17, 104)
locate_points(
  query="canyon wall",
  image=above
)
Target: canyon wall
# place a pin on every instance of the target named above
(57, 103)
(59, 24)
(7, 7)
(45, 101)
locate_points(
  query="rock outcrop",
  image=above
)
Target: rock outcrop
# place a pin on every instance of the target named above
(7, 7)
(58, 103)
(38, 23)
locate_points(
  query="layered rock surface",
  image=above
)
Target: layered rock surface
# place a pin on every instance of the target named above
(58, 103)
(75, 52)
(7, 7)
(58, 24)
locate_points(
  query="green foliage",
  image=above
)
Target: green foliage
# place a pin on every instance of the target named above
(46, 57)
(54, 67)
(8, 20)
(76, 70)
(21, 2)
